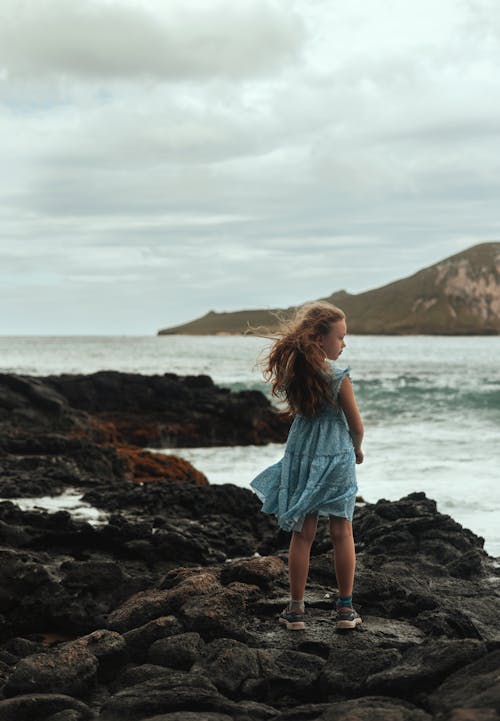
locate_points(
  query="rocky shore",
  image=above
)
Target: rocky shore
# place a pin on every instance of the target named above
(82, 430)
(168, 611)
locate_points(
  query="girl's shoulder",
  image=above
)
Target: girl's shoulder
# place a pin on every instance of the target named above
(337, 374)
(336, 371)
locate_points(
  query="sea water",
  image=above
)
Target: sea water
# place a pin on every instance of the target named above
(430, 404)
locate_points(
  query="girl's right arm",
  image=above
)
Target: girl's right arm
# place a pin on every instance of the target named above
(348, 404)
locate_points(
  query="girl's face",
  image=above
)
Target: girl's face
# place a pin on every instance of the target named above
(333, 341)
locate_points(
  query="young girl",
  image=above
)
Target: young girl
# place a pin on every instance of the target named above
(317, 475)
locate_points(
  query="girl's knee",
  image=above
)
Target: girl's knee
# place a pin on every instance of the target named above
(340, 529)
(304, 536)
(308, 532)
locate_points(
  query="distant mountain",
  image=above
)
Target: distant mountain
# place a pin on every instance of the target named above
(460, 295)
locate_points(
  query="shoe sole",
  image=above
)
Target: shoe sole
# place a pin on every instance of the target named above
(349, 624)
(293, 625)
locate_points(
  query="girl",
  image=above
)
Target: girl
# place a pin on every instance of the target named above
(317, 475)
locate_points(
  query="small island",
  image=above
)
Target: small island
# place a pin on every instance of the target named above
(460, 295)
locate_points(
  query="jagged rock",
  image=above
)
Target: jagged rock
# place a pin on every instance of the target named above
(139, 639)
(171, 410)
(345, 673)
(36, 706)
(216, 614)
(20, 647)
(203, 523)
(147, 605)
(93, 575)
(140, 608)
(369, 708)
(44, 589)
(423, 624)
(132, 675)
(80, 431)
(291, 674)
(157, 411)
(109, 648)
(36, 462)
(179, 651)
(191, 716)
(191, 576)
(69, 670)
(172, 691)
(228, 663)
(242, 711)
(68, 714)
(422, 667)
(258, 571)
(471, 692)
(412, 526)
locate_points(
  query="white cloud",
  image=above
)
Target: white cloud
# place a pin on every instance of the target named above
(174, 40)
(269, 152)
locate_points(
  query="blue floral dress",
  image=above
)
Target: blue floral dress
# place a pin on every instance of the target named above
(317, 473)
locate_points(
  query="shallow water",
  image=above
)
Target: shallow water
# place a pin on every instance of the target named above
(70, 501)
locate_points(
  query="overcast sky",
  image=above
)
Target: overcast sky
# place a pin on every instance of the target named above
(162, 159)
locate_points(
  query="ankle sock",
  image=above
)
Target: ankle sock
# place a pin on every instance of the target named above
(344, 601)
(296, 604)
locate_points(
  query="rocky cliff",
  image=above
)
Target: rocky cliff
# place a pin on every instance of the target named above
(458, 295)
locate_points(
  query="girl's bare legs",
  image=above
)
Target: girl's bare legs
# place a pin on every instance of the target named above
(298, 556)
(344, 556)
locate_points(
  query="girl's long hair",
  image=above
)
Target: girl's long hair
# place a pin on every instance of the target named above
(295, 364)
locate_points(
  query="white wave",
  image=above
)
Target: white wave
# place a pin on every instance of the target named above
(70, 501)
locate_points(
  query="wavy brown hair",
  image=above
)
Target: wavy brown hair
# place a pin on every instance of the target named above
(295, 364)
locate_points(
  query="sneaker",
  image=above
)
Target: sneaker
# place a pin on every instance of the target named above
(347, 617)
(293, 620)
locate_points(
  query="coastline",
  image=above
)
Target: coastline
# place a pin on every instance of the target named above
(142, 612)
(142, 615)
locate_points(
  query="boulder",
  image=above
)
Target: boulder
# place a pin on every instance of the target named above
(260, 571)
(472, 691)
(71, 670)
(37, 706)
(179, 651)
(139, 639)
(172, 691)
(228, 663)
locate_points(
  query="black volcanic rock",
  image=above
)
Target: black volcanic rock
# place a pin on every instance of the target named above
(171, 410)
(76, 430)
(135, 636)
(168, 608)
(46, 707)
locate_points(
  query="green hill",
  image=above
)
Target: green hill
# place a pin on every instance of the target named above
(458, 295)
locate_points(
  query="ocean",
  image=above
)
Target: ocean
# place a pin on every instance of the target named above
(430, 404)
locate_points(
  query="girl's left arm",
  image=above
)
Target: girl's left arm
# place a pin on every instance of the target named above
(347, 402)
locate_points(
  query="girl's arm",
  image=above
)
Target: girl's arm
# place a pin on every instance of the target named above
(347, 402)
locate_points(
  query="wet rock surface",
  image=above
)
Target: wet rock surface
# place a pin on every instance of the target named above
(124, 622)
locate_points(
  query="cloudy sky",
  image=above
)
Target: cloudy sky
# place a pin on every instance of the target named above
(162, 159)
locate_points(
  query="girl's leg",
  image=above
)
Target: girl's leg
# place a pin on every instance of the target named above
(298, 556)
(344, 556)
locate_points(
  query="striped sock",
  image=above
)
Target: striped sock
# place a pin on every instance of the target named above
(296, 604)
